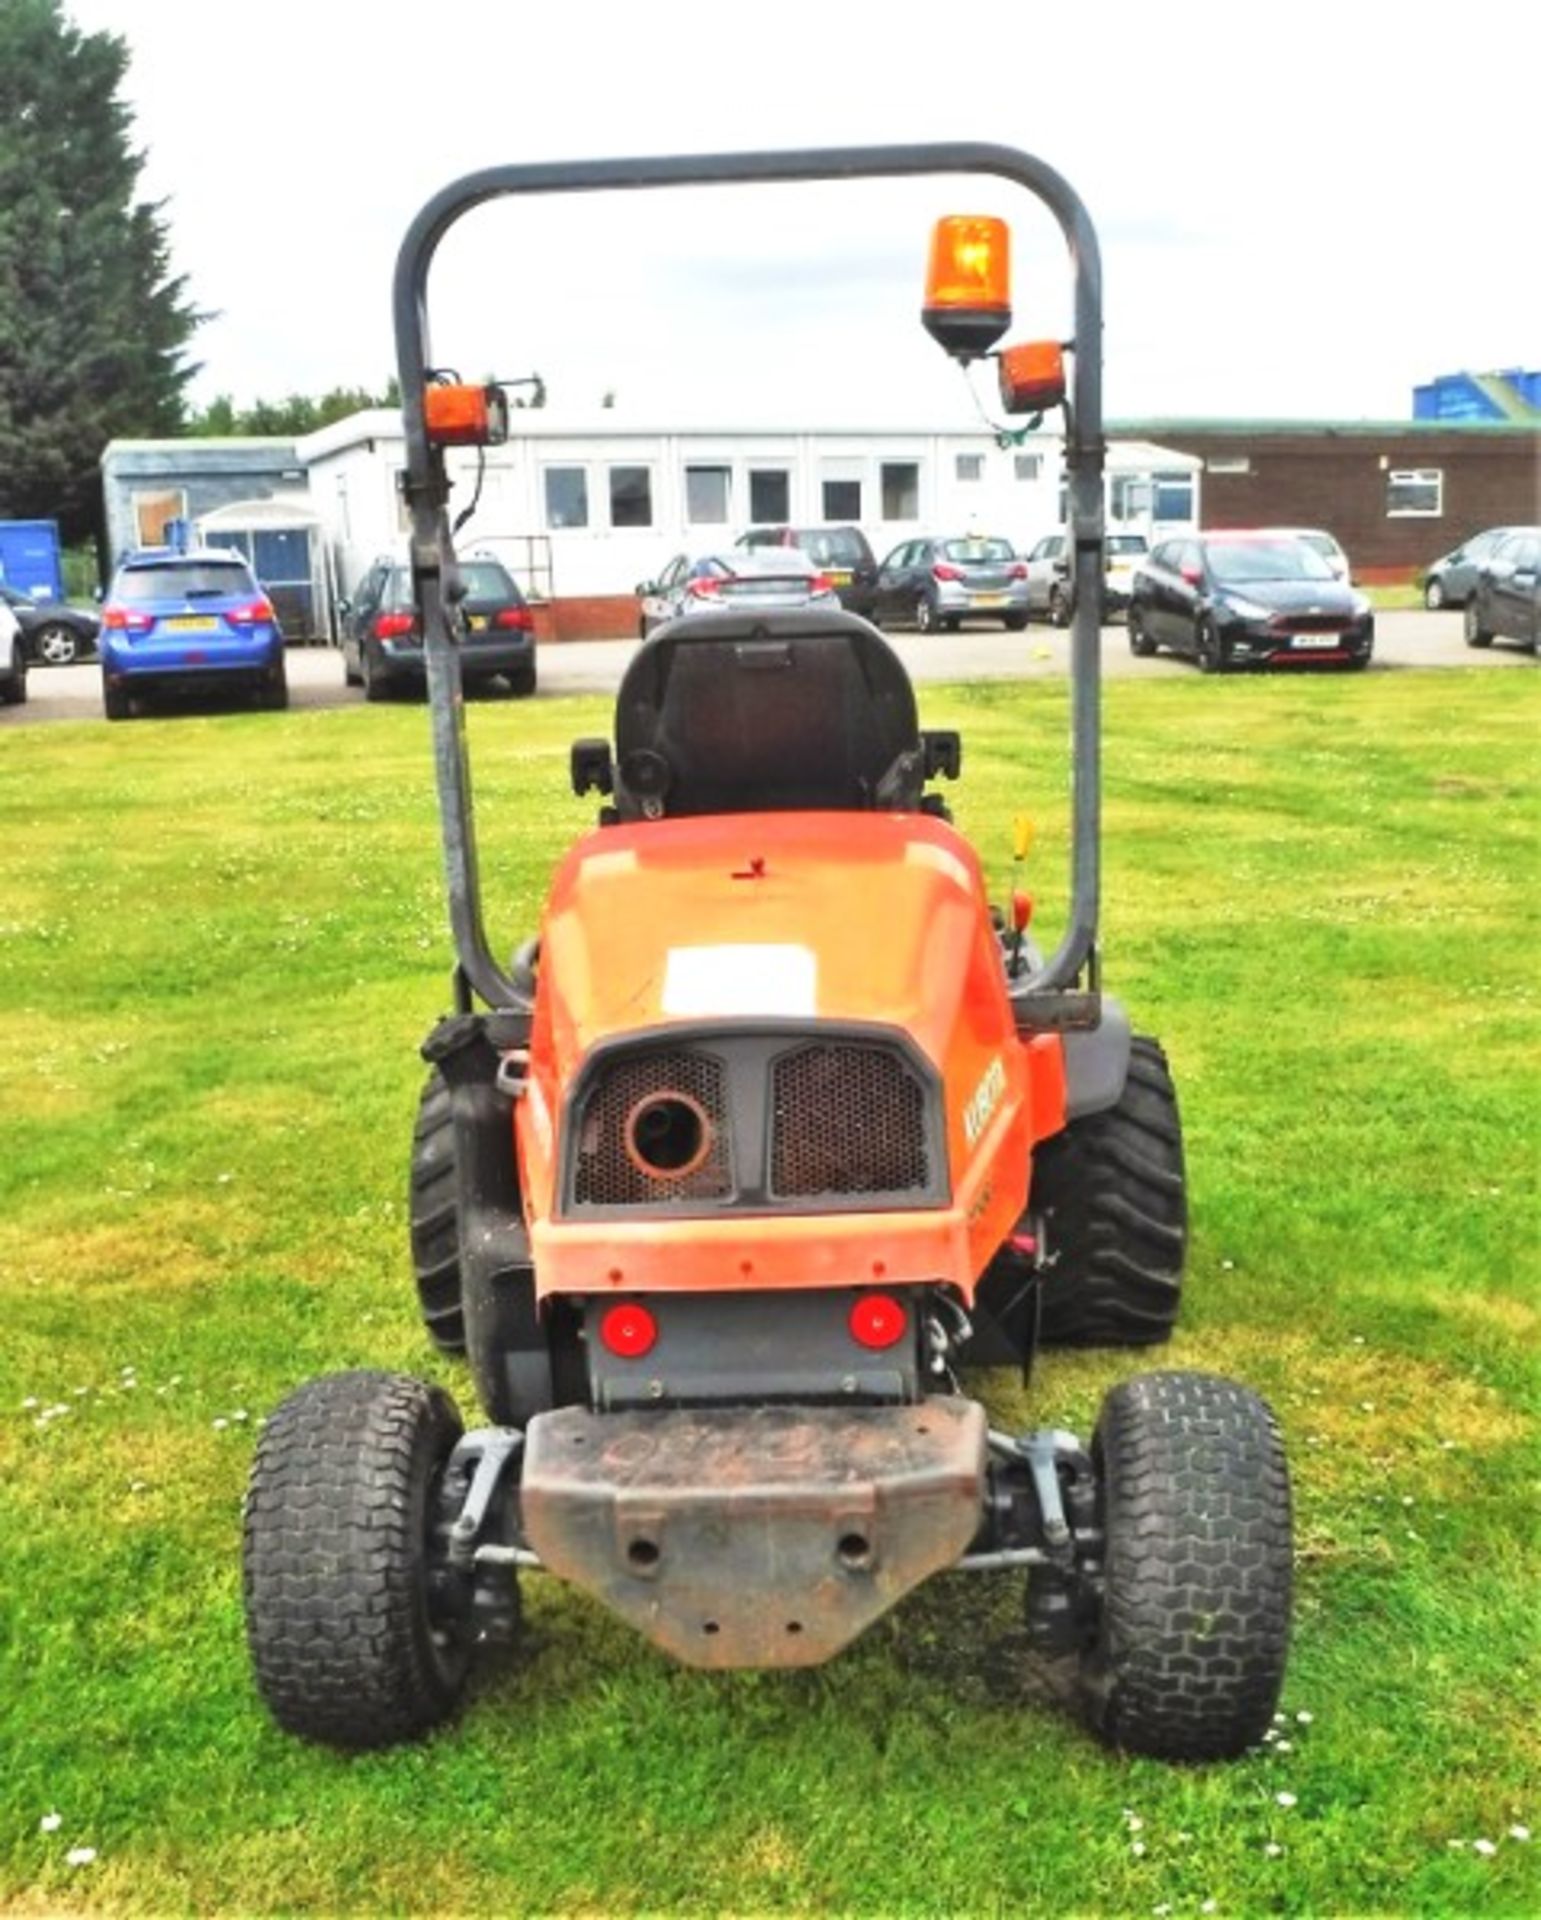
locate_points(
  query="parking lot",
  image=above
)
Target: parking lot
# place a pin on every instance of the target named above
(1403, 639)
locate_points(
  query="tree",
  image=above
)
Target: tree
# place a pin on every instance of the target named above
(287, 419)
(93, 324)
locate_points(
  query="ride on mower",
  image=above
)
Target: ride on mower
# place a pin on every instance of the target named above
(721, 1193)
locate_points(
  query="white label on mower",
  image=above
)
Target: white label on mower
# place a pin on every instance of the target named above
(986, 1098)
(702, 983)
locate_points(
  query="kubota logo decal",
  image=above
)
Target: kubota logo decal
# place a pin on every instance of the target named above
(986, 1098)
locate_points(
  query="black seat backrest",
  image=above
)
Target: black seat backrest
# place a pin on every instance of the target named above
(737, 713)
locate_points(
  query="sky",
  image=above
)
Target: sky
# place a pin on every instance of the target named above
(1303, 211)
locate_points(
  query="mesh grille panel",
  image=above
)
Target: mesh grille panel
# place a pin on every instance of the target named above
(605, 1175)
(846, 1119)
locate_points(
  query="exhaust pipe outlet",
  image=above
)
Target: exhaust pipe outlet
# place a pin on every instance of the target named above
(668, 1135)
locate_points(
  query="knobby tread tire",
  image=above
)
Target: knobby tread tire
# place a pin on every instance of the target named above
(1112, 1193)
(433, 1214)
(335, 1565)
(1190, 1652)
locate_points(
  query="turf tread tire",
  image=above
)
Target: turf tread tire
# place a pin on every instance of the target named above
(335, 1562)
(1112, 1193)
(434, 1219)
(1193, 1638)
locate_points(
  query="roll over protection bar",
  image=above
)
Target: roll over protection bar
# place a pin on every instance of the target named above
(1052, 997)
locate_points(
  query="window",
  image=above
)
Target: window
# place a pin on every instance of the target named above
(770, 495)
(1416, 491)
(706, 495)
(901, 490)
(1173, 497)
(842, 500)
(1129, 496)
(631, 497)
(969, 466)
(567, 497)
(154, 512)
(1029, 466)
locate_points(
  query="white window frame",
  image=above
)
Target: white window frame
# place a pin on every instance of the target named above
(716, 468)
(1028, 468)
(1416, 477)
(612, 468)
(968, 469)
(549, 467)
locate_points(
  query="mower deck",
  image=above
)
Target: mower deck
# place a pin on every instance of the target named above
(762, 1538)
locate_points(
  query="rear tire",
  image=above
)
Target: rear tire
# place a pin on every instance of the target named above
(925, 616)
(1112, 1193)
(1015, 622)
(1189, 1653)
(1471, 625)
(274, 697)
(432, 1210)
(1059, 607)
(523, 682)
(116, 702)
(345, 1637)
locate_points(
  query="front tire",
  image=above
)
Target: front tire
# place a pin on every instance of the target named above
(1434, 595)
(1112, 1193)
(1189, 1654)
(434, 1218)
(57, 645)
(1208, 647)
(1475, 633)
(343, 1620)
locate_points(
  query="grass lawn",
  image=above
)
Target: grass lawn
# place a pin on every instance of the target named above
(220, 942)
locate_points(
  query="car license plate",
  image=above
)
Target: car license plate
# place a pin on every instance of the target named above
(476, 622)
(988, 599)
(839, 579)
(1315, 640)
(191, 623)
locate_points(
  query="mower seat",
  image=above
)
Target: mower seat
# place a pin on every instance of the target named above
(737, 713)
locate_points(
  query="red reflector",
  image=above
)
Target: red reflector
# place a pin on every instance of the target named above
(391, 626)
(518, 617)
(628, 1330)
(878, 1320)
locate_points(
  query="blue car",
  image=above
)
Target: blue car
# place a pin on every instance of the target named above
(190, 618)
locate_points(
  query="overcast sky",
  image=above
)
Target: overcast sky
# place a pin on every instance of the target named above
(1304, 211)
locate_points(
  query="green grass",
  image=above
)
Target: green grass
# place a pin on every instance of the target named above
(220, 941)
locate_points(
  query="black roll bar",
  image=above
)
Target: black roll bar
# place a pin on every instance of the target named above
(1050, 997)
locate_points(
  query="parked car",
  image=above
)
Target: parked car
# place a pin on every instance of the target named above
(842, 553)
(1323, 543)
(744, 578)
(1248, 599)
(1049, 589)
(193, 617)
(1450, 579)
(382, 643)
(1505, 602)
(13, 659)
(940, 582)
(53, 634)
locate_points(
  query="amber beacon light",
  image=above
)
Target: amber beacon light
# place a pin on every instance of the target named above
(968, 283)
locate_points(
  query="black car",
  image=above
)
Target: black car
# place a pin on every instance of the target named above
(1450, 579)
(1248, 599)
(1505, 602)
(842, 553)
(53, 634)
(382, 644)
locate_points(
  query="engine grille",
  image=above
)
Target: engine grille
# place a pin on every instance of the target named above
(846, 1119)
(604, 1172)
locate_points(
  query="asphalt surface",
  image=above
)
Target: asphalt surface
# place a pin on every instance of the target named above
(1402, 640)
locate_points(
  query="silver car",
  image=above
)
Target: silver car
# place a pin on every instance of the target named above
(743, 580)
(941, 582)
